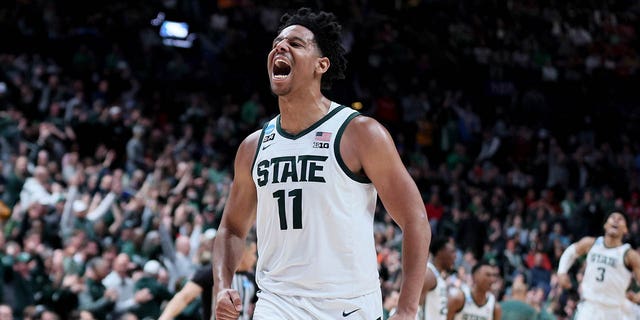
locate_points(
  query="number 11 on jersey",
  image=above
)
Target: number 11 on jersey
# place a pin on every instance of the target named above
(296, 194)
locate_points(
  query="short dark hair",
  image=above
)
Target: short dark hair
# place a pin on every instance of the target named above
(480, 264)
(626, 218)
(326, 31)
(95, 263)
(437, 244)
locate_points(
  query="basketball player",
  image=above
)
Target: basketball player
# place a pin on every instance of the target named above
(434, 291)
(607, 275)
(310, 179)
(477, 302)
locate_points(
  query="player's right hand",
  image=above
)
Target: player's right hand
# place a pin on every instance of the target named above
(228, 305)
(564, 281)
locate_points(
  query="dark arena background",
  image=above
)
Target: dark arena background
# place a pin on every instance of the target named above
(119, 122)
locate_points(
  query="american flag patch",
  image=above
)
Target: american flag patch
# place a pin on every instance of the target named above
(323, 136)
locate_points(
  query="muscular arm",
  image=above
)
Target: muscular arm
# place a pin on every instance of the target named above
(569, 256)
(632, 259)
(583, 245)
(455, 303)
(238, 217)
(367, 147)
(180, 301)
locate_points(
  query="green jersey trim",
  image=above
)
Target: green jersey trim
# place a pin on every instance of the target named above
(624, 256)
(307, 130)
(255, 156)
(336, 151)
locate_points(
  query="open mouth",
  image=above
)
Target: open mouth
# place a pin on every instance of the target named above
(281, 69)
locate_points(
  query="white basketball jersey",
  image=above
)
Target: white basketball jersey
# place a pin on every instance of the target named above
(435, 304)
(471, 311)
(314, 217)
(606, 278)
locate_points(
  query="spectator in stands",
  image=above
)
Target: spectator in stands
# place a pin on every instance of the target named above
(516, 306)
(18, 286)
(95, 297)
(15, 181)
(121, 282)
(157, 290)
(5, 312)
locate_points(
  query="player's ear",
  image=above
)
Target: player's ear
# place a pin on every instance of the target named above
(322, 65)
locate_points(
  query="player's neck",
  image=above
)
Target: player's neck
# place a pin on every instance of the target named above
(298, 113)
(479, 296)
(612, 242)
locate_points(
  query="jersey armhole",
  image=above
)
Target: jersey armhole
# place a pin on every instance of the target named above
(593, 244)
(435, 286)
(336, 151)
(435, 275)
(624, 259)
(264, 128)
(464, 301)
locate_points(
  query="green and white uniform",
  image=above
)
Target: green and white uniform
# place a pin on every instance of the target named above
(605, 282)
(435, 304)
(472, 311)
(314, 217)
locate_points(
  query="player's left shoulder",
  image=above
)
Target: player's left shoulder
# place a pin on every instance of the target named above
(632, 258)
(366, 131)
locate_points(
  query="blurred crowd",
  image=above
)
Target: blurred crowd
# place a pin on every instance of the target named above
(516, 118)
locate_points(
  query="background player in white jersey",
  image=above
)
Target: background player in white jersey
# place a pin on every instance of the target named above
(608, 272)
(310, 180)
(477, 302)
(434, 291)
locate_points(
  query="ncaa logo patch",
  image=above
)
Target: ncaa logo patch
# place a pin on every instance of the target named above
(269, 129)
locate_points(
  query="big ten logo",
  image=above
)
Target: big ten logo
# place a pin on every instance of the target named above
(321, 145)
